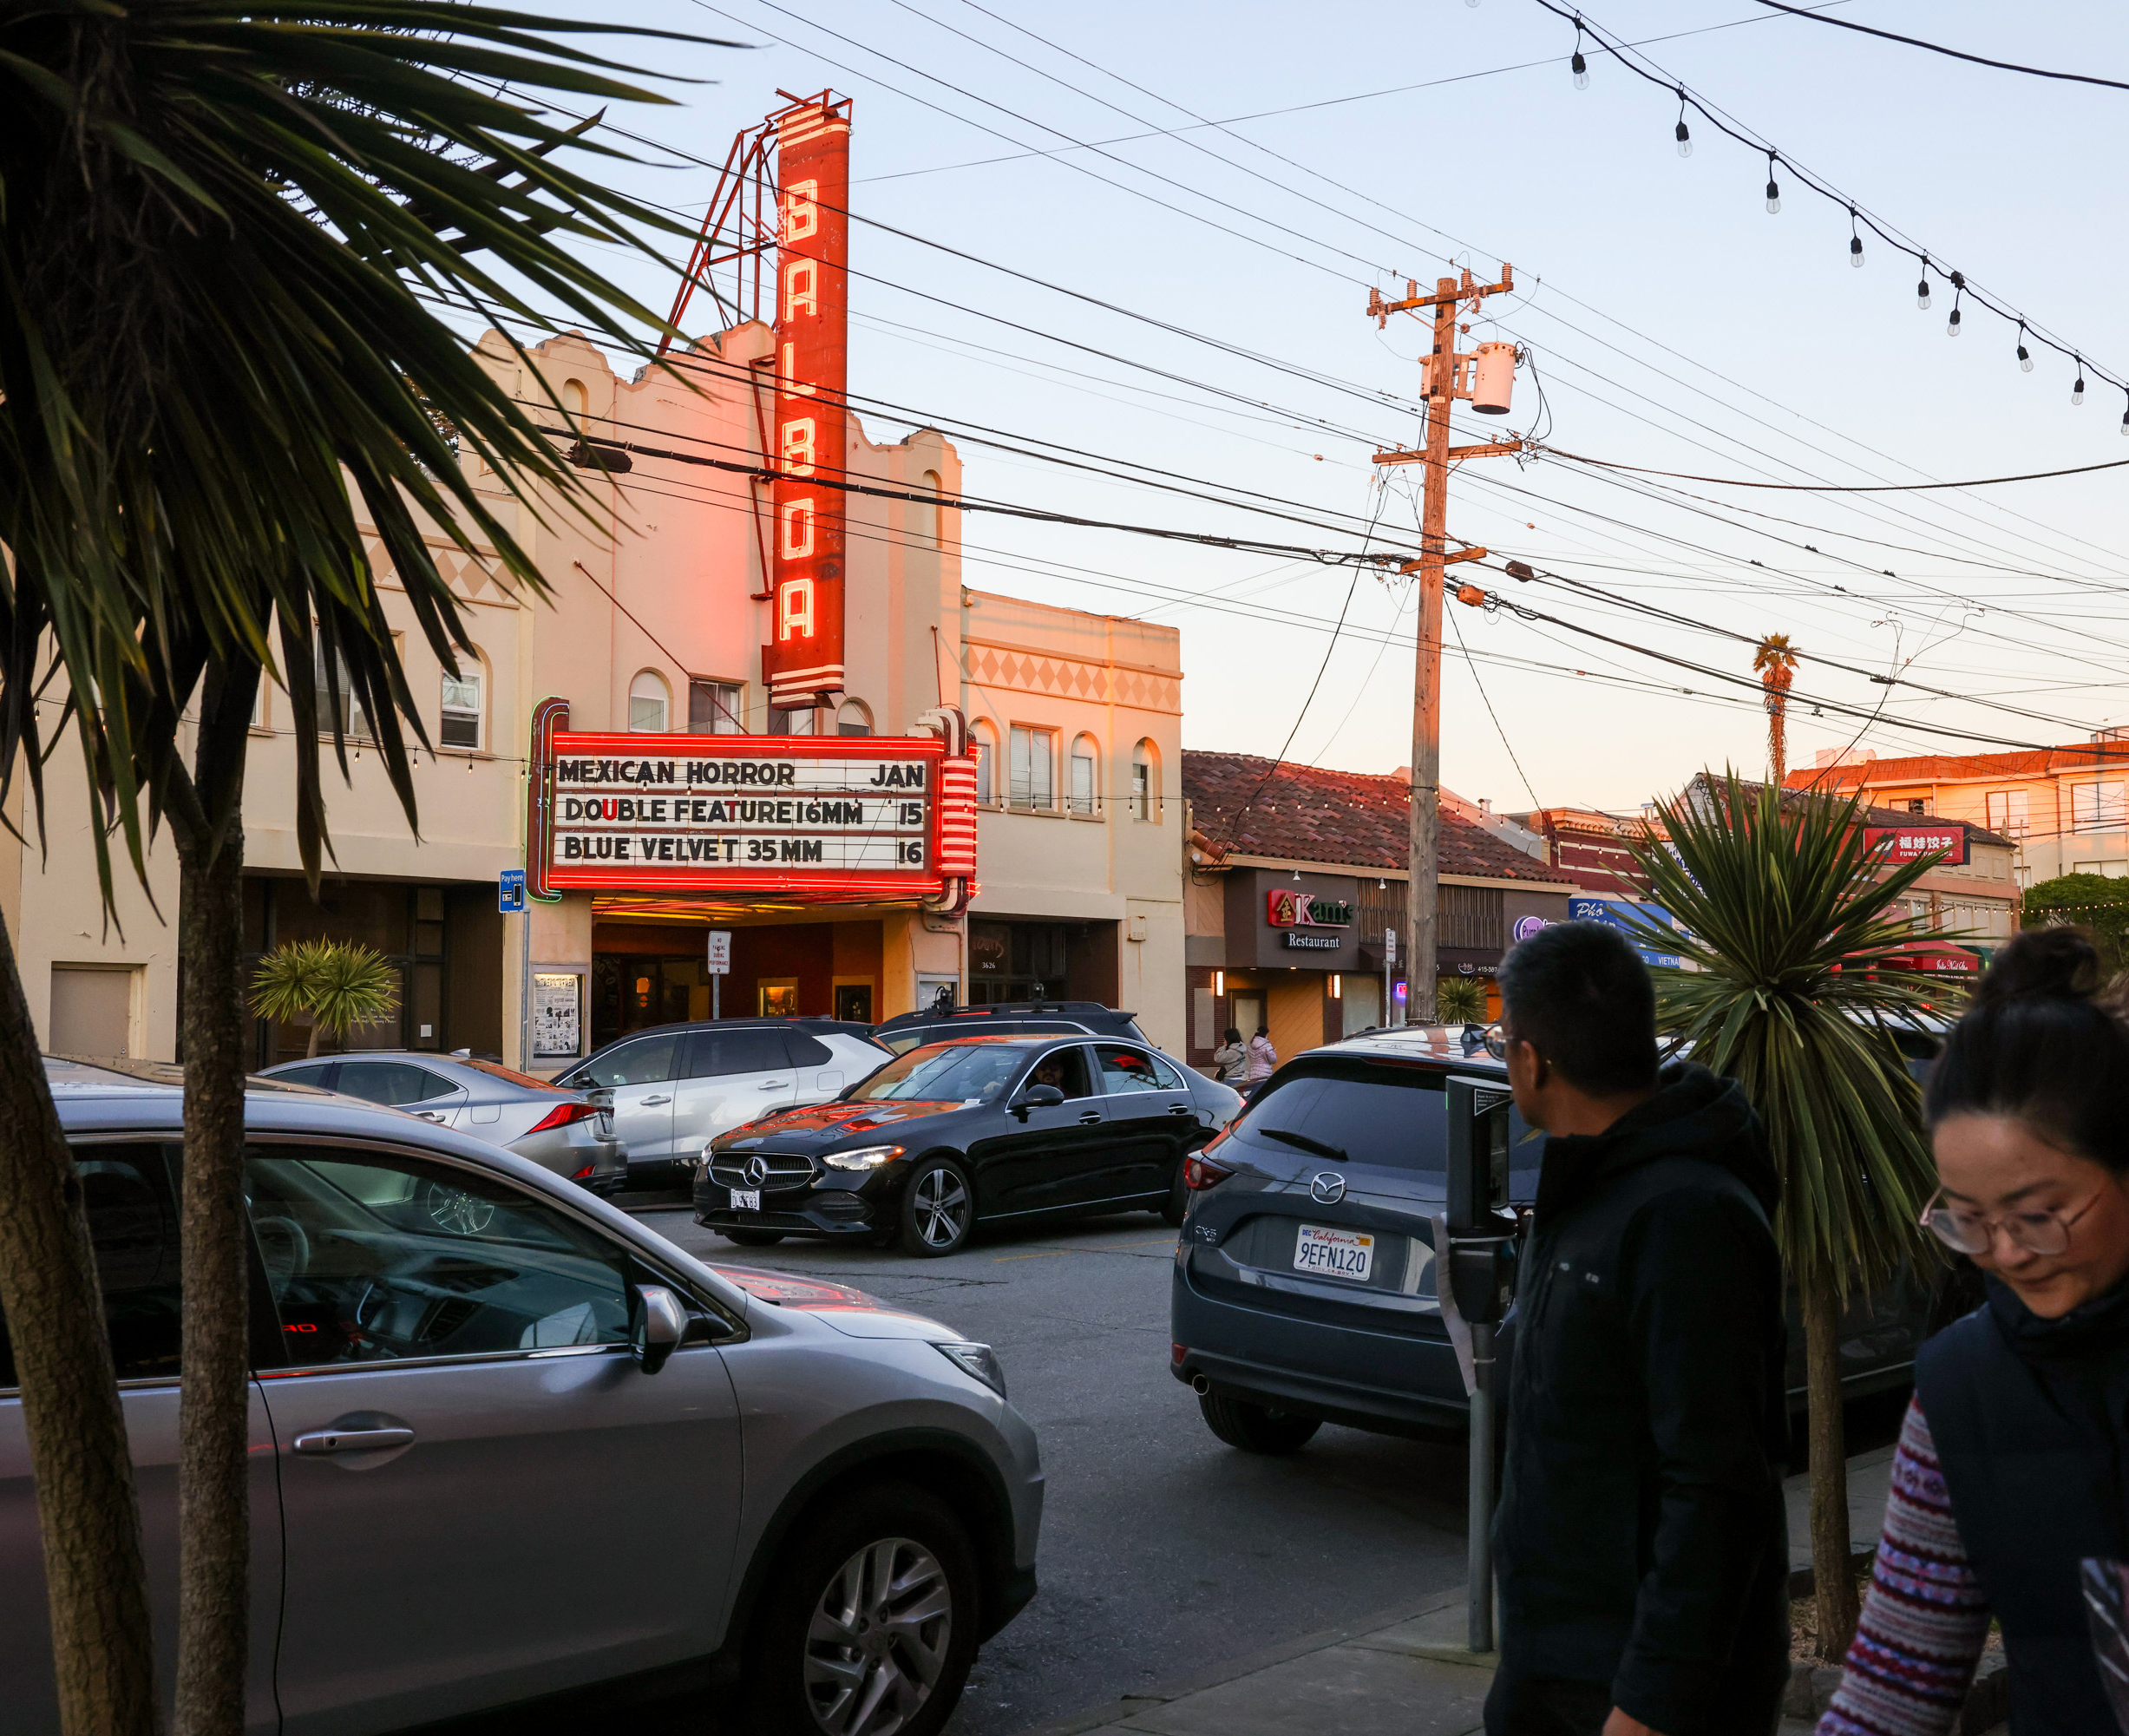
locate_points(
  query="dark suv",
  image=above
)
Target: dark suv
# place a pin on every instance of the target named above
(955, 1134)
(1304, 1286)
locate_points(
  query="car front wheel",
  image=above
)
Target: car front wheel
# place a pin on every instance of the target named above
(868, 1626)
(1256, 1428)
(938, 1206)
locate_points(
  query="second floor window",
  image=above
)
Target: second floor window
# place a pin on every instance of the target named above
(2097, 808)
(648, 703)
(2009, 812)
(462, 711)
(1083, 775)
(1034, 767)
(716, 708)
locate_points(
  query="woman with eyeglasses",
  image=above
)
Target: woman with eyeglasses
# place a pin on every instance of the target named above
(2010, 1470)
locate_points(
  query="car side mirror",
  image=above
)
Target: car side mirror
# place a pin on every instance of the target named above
(659, 1323)
(1038, 1097)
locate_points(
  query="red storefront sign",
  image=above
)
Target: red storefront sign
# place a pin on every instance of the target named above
(1910, 843)
(802, 663)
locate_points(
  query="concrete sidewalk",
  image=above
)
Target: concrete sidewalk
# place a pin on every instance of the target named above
(1399, 1672)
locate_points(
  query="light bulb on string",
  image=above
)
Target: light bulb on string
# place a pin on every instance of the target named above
(1773, 187)
(2077, 386)
(1684, 133)
(1959, 290)
(1855, 240)
(2125, 423)
(1922, 289)
(2025, 356)
(1576, 64)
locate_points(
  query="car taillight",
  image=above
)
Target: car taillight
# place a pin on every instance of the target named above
(1200, 1172)
(562, 1115)
(583, 1174)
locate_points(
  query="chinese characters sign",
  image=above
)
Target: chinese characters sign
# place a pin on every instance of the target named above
(833, 816)
(1910, 843)
(804, 659)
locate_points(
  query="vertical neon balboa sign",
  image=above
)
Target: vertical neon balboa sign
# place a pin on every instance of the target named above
(803, 662)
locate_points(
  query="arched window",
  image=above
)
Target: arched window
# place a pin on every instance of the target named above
(1146, 782)
(928, 511)
(1086, 774)
(983, 742)
(464, 706)
(649, 704)
(575, 399)
(854, 718)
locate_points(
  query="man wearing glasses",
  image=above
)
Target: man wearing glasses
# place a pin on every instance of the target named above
(1642, 1543)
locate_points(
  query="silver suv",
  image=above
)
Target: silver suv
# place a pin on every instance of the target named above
(506, 1444)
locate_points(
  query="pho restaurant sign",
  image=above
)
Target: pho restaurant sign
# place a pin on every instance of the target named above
(823, 818)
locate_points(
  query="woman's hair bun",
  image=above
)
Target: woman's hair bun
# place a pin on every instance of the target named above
(2056, 963)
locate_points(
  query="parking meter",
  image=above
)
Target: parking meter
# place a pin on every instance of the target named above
(1475, 1266)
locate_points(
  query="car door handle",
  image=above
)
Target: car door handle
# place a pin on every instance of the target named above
(429, 1114)
(772, 1085)
(1181, 1108)
(647, 1102)
(1089, 1117)
(352, 1440)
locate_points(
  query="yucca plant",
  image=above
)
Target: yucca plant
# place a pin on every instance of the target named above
(335, 984)
(1460, 1000)
(1788, 920)
(226, 229)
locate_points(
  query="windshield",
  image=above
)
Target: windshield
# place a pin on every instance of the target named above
(948, 1072)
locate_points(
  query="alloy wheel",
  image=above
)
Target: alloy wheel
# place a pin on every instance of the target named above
(878, 1640)
(939, 1204)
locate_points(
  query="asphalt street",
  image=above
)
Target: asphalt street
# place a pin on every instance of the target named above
(1163, 1552)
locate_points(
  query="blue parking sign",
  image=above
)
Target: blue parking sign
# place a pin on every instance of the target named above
(510, 892)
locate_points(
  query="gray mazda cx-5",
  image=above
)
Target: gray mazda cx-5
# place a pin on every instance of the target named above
(1304, 1286)
(507, 1446)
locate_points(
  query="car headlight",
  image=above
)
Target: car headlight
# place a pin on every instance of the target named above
(979, 1362)
(865, 1157)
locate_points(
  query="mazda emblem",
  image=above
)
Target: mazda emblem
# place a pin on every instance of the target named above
(756, 1172)
(1328, 1188)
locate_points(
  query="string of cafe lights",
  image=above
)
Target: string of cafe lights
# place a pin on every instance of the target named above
(1860, 218)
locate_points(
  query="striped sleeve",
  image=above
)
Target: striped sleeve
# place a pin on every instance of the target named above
(1924, 1619)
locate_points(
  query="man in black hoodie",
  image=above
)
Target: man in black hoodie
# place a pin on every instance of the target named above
(1642, 1544)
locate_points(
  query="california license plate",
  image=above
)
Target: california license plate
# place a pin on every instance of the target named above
(1334, 1253)
(746, 1199)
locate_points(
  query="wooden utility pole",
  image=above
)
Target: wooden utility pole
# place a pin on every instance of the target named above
(1444, 383)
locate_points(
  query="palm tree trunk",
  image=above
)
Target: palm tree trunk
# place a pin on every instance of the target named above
(214, 1530)
(1833, 1580)
(88, 1520)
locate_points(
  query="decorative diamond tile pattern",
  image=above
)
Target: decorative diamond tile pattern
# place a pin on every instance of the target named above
(1072, 679)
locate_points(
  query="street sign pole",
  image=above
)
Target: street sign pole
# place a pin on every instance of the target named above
(719, 966)
(1389, 973)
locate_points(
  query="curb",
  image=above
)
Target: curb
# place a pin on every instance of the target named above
(1076, 1724)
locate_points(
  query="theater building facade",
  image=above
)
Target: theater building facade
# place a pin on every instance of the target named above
(984, 802)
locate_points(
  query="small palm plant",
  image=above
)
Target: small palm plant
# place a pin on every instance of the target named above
(335, 984)
(1460, 1000)
(1789, 918)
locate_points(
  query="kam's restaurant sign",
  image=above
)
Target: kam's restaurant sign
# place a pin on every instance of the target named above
(827, 817)
(1285, 909)
(1911, 843)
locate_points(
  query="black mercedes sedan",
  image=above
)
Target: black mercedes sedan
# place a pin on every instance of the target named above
(976, 1130)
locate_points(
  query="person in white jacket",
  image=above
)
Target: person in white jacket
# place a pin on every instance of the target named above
(1232, 1059)
(1262, 1057)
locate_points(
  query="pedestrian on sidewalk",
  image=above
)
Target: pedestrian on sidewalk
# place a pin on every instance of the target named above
(1641, 1544)
(1231, 1059)
(2009, 1470)
(1263, 1059)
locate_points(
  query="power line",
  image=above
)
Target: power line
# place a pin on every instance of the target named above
(1954, 54)
(1842, 488)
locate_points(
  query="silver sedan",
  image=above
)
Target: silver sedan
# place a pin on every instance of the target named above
(568, 1132)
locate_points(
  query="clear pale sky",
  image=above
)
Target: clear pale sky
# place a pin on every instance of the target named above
(1675, 325)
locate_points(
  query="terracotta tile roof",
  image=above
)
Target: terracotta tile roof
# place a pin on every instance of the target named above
(1872, 815)
(1920, 767)
(1305, 814)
